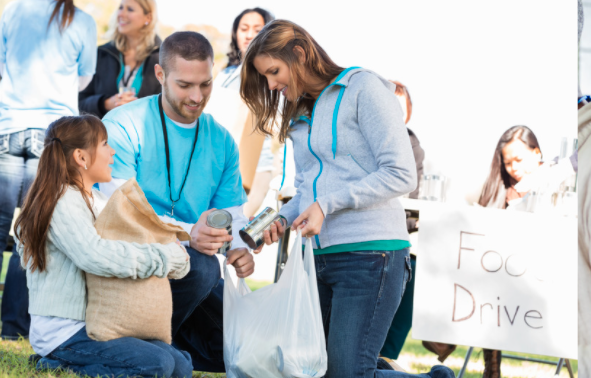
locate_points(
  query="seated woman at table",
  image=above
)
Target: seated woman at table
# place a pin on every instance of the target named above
(516, 156)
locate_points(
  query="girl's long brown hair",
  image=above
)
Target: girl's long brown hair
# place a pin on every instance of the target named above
(67, 13)
(56, 172)
(498, 176)
(278, 40)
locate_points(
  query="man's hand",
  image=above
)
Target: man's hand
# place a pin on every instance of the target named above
(242, 261)
(310, 221)
(205, 239)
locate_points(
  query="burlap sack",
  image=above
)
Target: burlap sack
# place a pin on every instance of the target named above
(140, 308)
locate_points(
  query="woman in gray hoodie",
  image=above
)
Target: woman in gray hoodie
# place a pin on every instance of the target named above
(353, 160)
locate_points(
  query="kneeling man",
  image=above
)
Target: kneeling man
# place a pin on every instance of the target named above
(186, 164)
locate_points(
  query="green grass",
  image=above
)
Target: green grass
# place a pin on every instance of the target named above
(14, 362)
(416, 349)
(4, 266)
(14, 355)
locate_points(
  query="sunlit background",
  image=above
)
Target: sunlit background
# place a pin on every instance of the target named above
(473, 69)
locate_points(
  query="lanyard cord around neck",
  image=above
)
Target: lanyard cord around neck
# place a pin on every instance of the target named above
(123, 80)
(166, 148)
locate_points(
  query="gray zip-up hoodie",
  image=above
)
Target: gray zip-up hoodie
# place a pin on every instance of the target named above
(353, 156)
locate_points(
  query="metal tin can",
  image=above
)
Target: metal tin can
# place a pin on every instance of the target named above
(252, 233)
(221, 219)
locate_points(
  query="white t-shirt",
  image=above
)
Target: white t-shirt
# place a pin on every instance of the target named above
(41, 64)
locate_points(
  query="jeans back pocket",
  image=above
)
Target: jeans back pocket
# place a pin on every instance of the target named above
(37, 142)
(4, 145)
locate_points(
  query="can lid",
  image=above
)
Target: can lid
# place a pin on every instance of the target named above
(219, 219)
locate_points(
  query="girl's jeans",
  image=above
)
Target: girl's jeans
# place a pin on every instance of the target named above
(359, 295)
(122, 357)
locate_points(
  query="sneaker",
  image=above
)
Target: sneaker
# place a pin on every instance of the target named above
(34, 358)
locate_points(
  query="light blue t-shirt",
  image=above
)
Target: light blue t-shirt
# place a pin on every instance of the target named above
(40, 79)
(213, 181)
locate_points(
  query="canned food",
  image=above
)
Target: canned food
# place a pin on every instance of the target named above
(252, 234)
(221, 219)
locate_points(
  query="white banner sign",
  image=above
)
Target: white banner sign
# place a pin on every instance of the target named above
(497, 279)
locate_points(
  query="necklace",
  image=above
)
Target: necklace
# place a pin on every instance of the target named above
(166, 149)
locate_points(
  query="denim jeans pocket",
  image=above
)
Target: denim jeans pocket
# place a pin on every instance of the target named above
(407, 274)
(37, 142)
(367, 253)
(4, 145)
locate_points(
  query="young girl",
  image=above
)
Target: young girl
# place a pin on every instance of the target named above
(353, 158)
(517, 155)
(57, 242)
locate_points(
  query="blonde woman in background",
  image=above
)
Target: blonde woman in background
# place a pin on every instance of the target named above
(125, 65)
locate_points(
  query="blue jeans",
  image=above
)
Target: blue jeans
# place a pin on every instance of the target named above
(19, 157)
(197, 317)
(122, 357)
(196, 329)
(402, 322)
(359, 294)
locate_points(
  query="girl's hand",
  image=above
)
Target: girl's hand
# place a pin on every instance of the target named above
(183, 248)
(310, 221)
(271, 236)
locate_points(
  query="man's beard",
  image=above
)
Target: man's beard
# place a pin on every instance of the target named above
(178, 108)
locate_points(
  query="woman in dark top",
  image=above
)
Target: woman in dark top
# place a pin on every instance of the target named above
(402, 322)
(125, 65)
(516, 156)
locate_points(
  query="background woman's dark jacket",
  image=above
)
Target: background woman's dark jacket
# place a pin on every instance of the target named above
(419, 154)
(104, 82)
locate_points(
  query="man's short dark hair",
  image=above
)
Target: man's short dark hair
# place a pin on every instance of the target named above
(186, 44)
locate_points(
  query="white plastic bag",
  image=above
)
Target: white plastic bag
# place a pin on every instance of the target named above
(277, 330)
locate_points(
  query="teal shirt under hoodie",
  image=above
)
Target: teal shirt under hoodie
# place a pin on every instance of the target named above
(353, 156)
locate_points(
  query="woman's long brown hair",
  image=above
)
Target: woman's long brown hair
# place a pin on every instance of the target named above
(56, 172)
(278, 40)
(498, 176)
(67, 13)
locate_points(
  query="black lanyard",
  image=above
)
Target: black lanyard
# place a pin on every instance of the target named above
(125, 82)
(162, 119)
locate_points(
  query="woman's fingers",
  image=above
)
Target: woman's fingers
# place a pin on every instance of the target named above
(308, 229)
(267, 237)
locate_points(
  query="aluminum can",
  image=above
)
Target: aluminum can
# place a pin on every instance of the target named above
(221, 219)
(252, 233)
